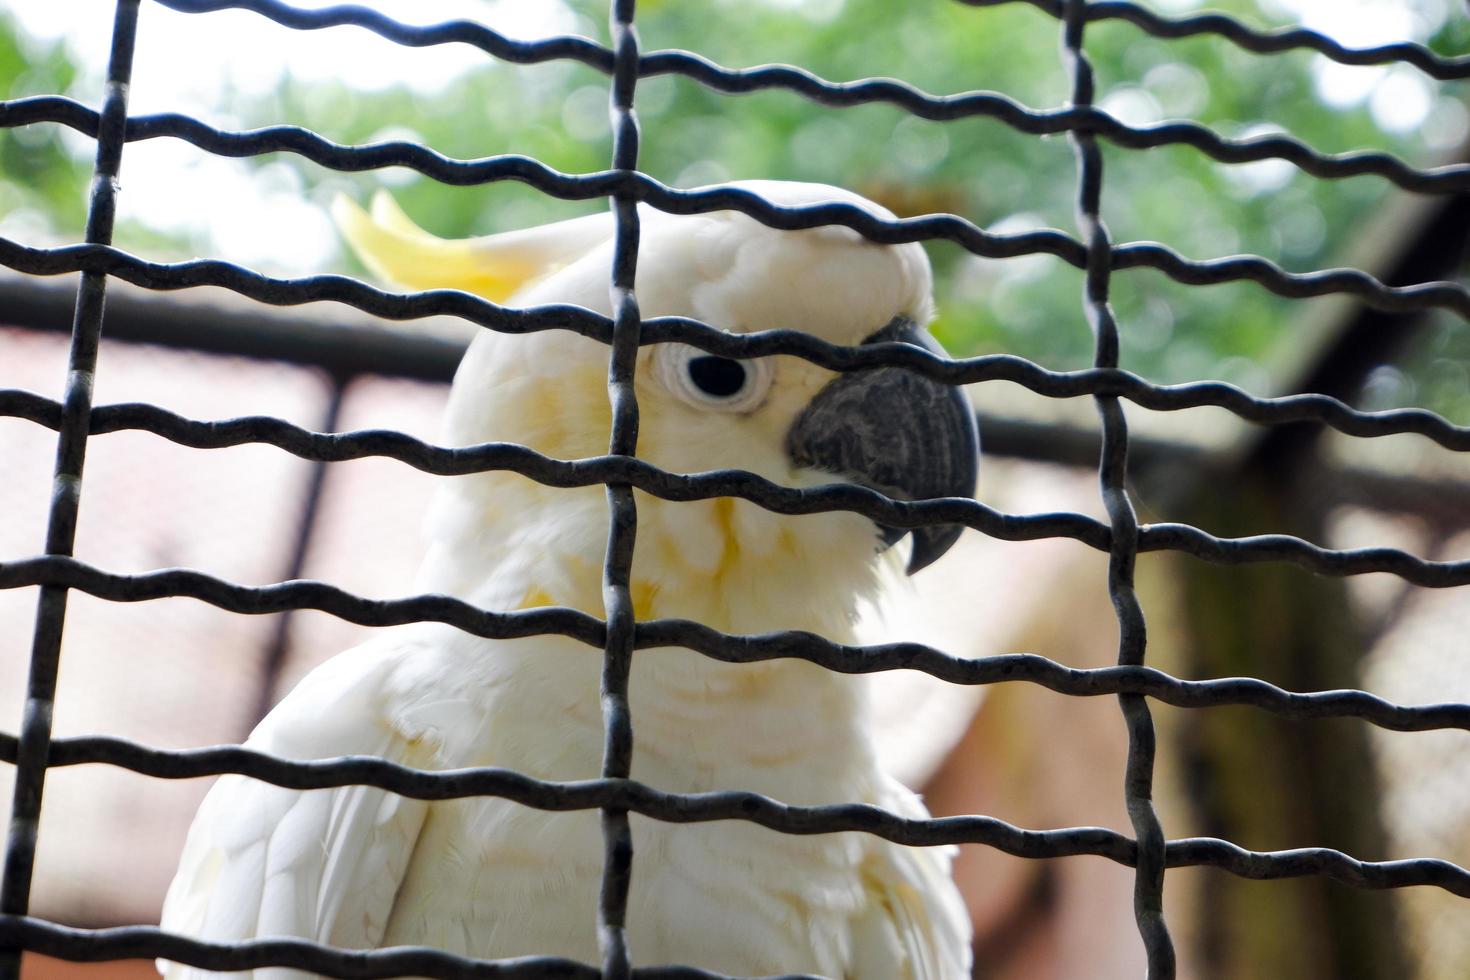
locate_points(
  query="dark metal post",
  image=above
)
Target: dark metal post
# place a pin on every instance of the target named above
(279, 646)
(61, 527)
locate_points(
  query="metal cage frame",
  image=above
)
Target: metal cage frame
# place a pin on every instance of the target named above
(615, 794)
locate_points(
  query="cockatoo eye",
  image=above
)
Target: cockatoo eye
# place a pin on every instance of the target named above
(710, 381)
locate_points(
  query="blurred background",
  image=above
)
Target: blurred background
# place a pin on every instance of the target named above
(176, 673)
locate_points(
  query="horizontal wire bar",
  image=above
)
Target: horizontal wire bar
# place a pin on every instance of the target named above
(443, 461)
(1322, 862)
(1260, 42)
(974, 370)
(772, 496)
(749, 486)
(1288, 548)
(337, 156)
(681, 808)
(31, 109)
(588, 794)
(935, 227)
(302, 290)
(172, 583)
(1361, 285)
(1073, 681)
(148, 942)
(656, 634)
(396, 306)
(561, 47)
(430, 458)
(1446, 179)
(591, 471)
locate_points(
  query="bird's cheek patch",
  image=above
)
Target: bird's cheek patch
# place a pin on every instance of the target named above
(565, 416)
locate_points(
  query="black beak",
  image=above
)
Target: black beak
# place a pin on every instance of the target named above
(896, 432)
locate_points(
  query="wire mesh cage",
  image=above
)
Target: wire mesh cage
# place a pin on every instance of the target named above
(1121, 537)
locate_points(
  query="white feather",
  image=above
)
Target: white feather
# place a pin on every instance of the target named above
(266, 861)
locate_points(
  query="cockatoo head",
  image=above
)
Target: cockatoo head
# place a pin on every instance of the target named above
(503, 540)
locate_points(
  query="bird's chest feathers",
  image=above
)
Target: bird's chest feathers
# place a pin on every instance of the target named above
(785, 728)
(493, 876)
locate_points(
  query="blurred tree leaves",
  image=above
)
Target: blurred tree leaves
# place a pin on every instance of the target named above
(977, 168)
(38, 175)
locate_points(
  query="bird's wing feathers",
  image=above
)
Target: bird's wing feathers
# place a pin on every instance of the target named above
(323, 865)
(914, 910)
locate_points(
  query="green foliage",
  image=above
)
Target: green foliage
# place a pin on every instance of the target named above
(977, 168)
(39, 176)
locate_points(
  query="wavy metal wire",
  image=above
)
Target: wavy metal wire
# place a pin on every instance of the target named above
(1450, 296)
(897, 93)
(34, 751)
(1261, 42)
(34, 746)
(617, 569)
(1138, 777)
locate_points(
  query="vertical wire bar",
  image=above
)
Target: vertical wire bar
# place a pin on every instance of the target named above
(1148, 881)
(61, 526)
(617, 755)
(278, 648)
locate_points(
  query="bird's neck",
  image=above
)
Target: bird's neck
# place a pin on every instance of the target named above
(504, 544)
(701, 723)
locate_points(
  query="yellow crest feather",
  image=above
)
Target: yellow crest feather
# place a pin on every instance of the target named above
(399, 251)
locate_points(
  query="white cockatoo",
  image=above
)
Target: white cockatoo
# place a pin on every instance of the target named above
(359, 867)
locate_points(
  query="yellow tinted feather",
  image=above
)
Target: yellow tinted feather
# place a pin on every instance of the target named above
(492, 266)
(399, 251)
